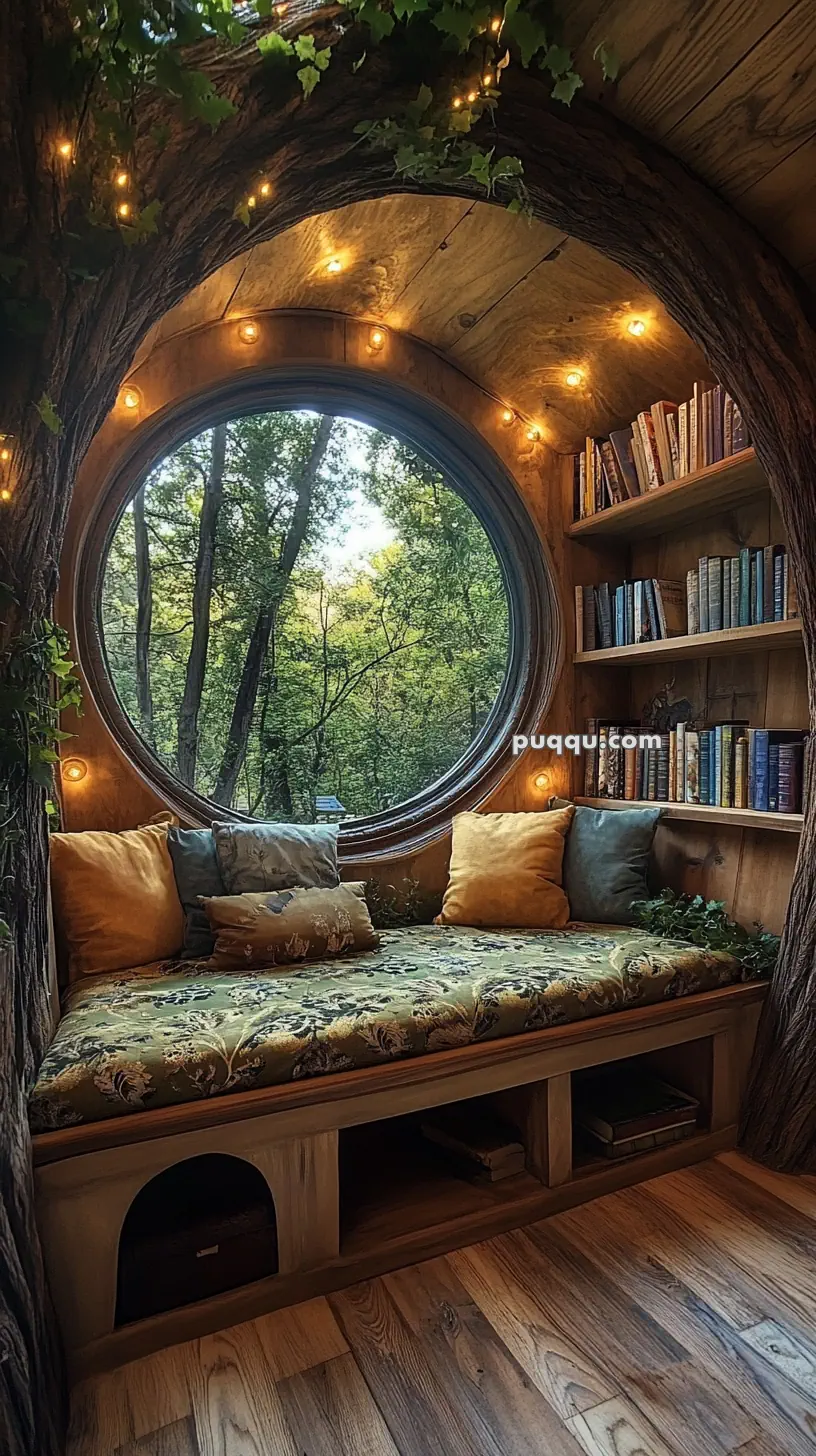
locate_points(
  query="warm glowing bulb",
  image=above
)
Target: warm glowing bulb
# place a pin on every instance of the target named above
(5, 494)
(473, 96)
(131, 398)
(376, 339)
(533, 434)
(508, 416)
(636, 328)
(334, 266)
(123, 210)
(74, 770)
(65, 149)
(248, 331)
(495, 24)
(5, 453)
(281, 10)
(487, 79)
(456, 103)
(265, 189)
(252, 200)
(541, 781)
(122, 179)
(573, 378)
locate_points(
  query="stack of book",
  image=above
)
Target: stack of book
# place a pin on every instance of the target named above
(635, 611)
(725, 765)
(664, 443)
(626, 1109)
(740, 591)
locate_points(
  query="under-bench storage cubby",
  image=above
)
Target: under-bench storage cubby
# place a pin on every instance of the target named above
(201, 1227)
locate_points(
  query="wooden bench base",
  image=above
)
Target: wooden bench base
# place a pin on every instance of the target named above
(298, 1137)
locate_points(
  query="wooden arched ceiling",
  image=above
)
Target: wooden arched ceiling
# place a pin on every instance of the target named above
(729, 86)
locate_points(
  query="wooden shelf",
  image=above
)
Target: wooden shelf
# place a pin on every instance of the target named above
(706, 813)
(768, 637)
(727, 483)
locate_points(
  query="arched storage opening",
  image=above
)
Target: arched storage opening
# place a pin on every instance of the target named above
(197, 1229)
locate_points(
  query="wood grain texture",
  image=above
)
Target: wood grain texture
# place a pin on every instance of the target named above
(612, 1330)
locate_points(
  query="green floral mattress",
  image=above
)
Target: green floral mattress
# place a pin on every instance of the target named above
(177, 1031)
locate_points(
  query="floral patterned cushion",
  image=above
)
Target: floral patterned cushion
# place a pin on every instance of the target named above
(178, 1031)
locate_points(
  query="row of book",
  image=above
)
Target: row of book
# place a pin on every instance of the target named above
(724, 765)
(635, 611)
(664, 443)
(740, 591)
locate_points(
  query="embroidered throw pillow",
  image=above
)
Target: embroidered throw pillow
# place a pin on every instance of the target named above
(278, 927)
(506, 870)
(255, 857)
(606, 862)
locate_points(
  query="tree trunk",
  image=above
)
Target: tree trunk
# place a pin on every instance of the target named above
(587, 174)
(202, 596)
(144, 615)
(246, 697)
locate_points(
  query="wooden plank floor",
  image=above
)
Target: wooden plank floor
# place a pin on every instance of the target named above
(673, 1319)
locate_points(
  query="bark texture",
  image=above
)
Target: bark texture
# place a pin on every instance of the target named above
(202, 596)
(587, 174)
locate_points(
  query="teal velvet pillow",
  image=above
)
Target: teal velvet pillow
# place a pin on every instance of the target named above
(195, 867)
(606, 860)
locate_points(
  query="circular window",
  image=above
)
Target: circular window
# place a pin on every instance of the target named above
(307, 612)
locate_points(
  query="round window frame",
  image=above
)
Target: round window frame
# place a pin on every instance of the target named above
(470, 466)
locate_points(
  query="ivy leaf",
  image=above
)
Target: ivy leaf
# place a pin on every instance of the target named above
(528, 33)
(558, 60)
(565, 89)
(200, 99)
(144, 224)
(322, 58)
(274, 46)
(480, 168)
(308, 77)
(609, 59)
(380, 22)
(416, 109)
(46, 410)
(357, 64)
(507, 168)
(456, 21)
(305, 48)
(263, 8)
(461, 121)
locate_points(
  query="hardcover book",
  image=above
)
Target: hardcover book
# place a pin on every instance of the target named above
(621, 442)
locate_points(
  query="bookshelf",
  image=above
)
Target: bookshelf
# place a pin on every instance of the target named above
(705, 813)
(764, 637)
(730, 482)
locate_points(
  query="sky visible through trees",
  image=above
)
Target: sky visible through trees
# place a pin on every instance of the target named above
(297, 605)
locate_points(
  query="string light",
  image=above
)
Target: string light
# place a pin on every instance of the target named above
(495, 24)
(122, 179)
(541, 781)
(252, 200)
(472, 96)
(487, 79)
(636, 327)
(5, 450)
(334, 266)
(131, 398)
(533, 434)
(265, 189)
(74, 770)
(456, 103)
(65, 149)
(5, 494)
(376, 339)
(123, 210)
(508, 417)
(573, 378)
(248, 331)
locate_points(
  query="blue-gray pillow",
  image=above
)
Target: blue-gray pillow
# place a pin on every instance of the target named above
(195, 867)
(258, 857)
(606, 860)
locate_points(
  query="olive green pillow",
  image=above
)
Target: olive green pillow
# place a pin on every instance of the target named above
(277, 927)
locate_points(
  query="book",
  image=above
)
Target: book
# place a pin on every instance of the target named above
(477, 1136)
(603, 761)
(726, 592)
(727, 785)
(603, 603)
(759, 586)
(692, 767)
(629, 608)
(702, 592)
(760, 769)
(662, 771)
(674, 440)
(579, 619)
(692, 601)
(735, 591)
(791, 759)
(670, 602)
(649, 442)
(641, 620)
(613, 478)
(705, 759)
(715, 593)
(660, 414)
(627, 1101)
(741, 773)
(767, 583)
(739, 435)
(680, 782)
(673, 766)
(745, 587)
(591, 760)
(619, 619)
(728, 426)
(639, 457)
(590, 635)
(791, 741)
(683, 438)
(621, 442)
(717, 401)
(651, 610)
(777, 572)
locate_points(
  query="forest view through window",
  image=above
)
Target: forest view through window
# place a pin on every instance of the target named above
(302, 618)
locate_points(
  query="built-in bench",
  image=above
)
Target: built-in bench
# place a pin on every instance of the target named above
(438, 1015)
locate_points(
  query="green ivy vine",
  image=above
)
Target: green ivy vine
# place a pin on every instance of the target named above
(37, 683)
(704, 922)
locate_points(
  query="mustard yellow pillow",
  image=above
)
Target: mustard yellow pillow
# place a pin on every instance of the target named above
(505, 869)
(276, 927)
(115, 899)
